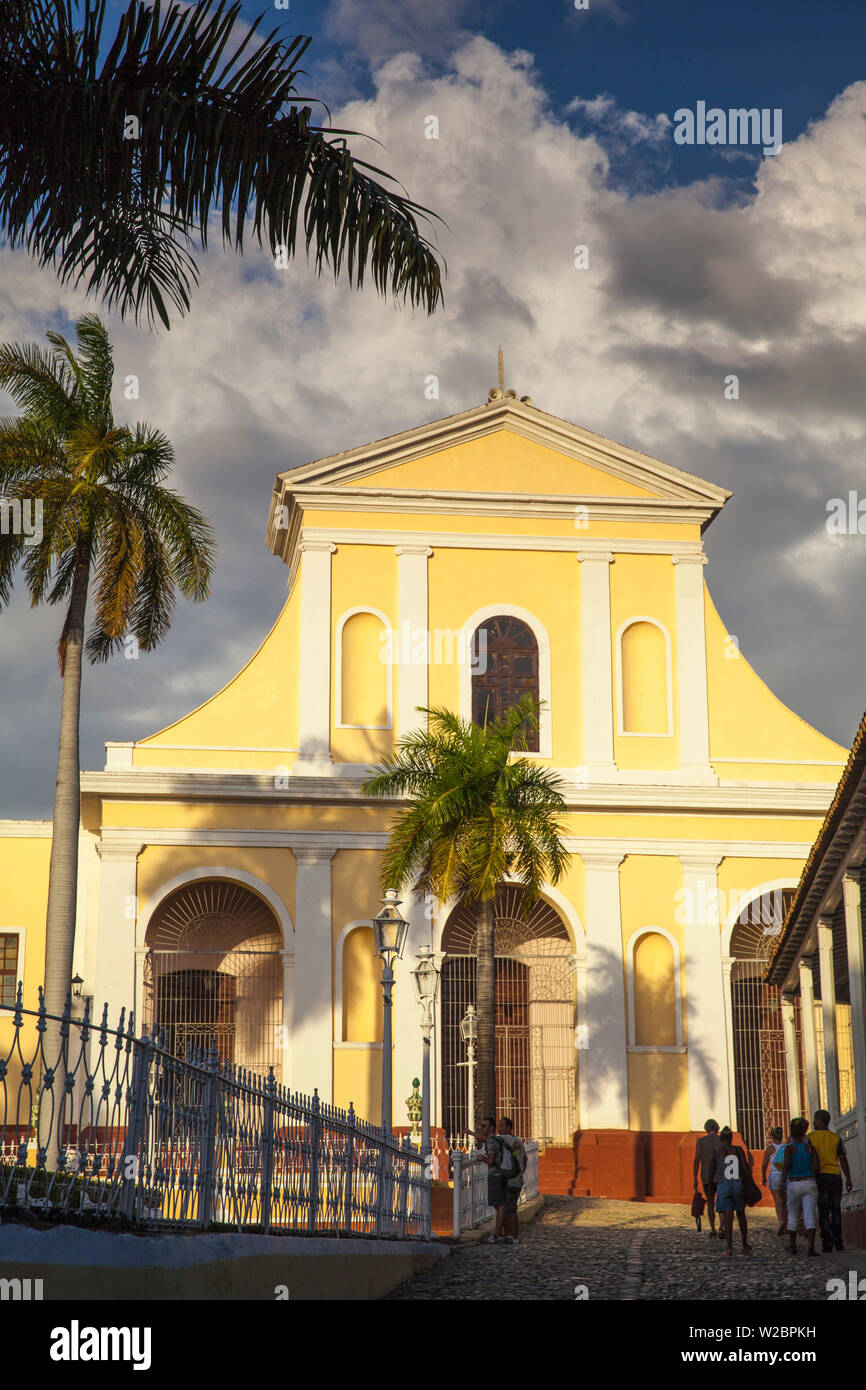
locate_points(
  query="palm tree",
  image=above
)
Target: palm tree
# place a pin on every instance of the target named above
(115, 154)
(474, 813)
(106, 518)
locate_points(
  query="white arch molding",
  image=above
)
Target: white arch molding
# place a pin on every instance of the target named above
(744, 897)
(678, 992)
(669, 702)
(511, 610)
(388, 665)
(256, 885)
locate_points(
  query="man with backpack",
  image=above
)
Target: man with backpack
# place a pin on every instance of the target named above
(514, 1182)
(501, 1165)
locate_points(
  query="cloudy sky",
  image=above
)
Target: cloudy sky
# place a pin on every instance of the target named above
(556, 129)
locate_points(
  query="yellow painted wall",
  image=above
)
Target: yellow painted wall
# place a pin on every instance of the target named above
(658, 1090)
(504, 462)
(24, 864)
(748, 720)
(258, 707)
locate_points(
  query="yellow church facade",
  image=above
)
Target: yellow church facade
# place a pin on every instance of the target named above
(229, 862)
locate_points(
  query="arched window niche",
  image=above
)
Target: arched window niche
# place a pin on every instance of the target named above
(655, 1015)
(364, 684)
(644, 685)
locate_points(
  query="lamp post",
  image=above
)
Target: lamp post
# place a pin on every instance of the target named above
(469, 1034)
(390, 931)
(425, 978)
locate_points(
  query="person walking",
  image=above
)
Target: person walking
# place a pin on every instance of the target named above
(832, 1163)
(777, 1182)
(731, 1164)
(513, 1180)
(705, 1163)
(800, 1170)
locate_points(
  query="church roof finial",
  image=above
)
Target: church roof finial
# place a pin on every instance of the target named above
(498, 393)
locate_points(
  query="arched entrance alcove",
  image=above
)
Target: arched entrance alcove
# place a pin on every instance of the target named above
(760, 1075)
(535, 1016)
(213, 973)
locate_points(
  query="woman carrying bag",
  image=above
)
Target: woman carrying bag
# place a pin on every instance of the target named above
(734, 1190)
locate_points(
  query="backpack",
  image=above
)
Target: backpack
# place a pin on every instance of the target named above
(514, 1169)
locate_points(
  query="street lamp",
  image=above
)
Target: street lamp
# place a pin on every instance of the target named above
(469, 1034)
(425, 978)
(390, 931)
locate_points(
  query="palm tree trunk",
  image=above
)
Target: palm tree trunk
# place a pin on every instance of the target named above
(485, 1086)
(63, 870)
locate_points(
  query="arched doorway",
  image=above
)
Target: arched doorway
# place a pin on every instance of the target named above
(760, 1074)
(534, 1023)
(213, 974)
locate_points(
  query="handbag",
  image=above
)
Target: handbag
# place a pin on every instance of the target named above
(751, 1192)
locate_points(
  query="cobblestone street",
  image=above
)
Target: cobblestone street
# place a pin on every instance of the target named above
(625, 1250)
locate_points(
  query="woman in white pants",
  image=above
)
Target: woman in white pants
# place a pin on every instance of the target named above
(800, 1170)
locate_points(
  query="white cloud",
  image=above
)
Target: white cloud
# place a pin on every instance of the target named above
(274, 368)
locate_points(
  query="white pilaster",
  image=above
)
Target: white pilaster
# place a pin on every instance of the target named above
(114, 981)
(596, 665)
(581, 1038)
(792, 1059)
(810, 1041)
(314, 667)
(857, 986)
(727, 965)
(706, 1016)
(412, 619)
(406, 1016)
(692, 700)
(604, 1063)
(828, 1011)
(311, 1044)
(287, 961)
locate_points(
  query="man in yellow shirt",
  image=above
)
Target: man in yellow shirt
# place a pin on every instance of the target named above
(831, 1152)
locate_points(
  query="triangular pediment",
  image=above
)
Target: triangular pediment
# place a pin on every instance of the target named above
(506, 448)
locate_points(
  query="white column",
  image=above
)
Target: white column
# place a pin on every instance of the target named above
(406, 1014)
(412, 619)
(287, 961)
(810, 1041)
(706, 1019)
(727, 965)
(604, 1079)
(114, 970)
(857, 986)
(792, 1059)
(596, 665)
(312, 1041)
(138, 1002)
(828, 1010)
(693, 707)
(314, 666)
(581, 1038)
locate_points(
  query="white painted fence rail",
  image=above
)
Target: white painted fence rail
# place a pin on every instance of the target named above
(98, 1122)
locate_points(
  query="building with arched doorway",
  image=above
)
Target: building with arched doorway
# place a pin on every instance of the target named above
(230, 862)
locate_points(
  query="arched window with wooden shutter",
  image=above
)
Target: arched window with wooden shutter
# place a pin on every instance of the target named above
(505, 667)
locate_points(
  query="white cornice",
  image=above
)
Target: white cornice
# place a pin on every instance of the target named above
(550, 506)
(587, 549)
(25, 829)
(320, 845)
(794, 799)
